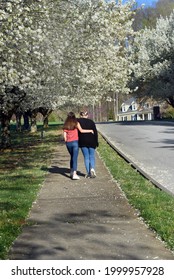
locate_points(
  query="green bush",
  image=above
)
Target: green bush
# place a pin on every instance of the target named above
(169, 113)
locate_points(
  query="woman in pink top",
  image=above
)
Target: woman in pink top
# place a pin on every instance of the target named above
(70, 133)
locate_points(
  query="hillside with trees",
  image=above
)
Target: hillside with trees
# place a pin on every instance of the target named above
(147, 16)
(152, 53)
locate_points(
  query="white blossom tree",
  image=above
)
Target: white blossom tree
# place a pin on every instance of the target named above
(20, 40)
(54, 52)
(94, 60)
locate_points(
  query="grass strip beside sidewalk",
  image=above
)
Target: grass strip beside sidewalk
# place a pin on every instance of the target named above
(22, 172)
(154, 206)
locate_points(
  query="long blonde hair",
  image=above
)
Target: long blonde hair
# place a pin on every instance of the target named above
(70, 122)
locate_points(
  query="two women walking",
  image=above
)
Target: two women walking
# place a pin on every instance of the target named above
(81, 133)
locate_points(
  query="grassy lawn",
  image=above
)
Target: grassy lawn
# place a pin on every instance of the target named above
(23, 170)
(156, 207)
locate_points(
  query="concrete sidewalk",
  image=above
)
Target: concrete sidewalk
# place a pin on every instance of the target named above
(85, 219)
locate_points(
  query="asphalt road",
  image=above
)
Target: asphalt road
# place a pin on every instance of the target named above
(149, 146)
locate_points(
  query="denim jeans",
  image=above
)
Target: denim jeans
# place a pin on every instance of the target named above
(89, 158)
(73, 149)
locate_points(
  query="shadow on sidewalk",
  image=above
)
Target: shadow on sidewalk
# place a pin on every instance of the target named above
(63, 171)
(59, 170)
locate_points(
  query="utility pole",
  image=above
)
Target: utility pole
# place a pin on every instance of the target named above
(115, 104)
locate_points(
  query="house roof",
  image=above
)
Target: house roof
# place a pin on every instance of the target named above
(129, 101)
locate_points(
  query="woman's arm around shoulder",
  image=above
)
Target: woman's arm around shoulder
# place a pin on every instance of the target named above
(84, 130)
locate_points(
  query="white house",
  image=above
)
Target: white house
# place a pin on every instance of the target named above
(132, 110)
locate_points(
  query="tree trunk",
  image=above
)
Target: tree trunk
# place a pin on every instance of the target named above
(33, 121)
(100, 111)
(45, 121)
(5, 131)
(45, 113)
(26, 117)
(18, 121)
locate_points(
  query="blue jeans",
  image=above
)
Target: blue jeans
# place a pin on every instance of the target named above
(73, 149)
(89, 158)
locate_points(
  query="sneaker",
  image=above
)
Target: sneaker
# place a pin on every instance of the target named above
(75, 177)
(93, 174)
(88, 176)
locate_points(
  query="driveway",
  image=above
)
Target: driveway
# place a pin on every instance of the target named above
(149, 146)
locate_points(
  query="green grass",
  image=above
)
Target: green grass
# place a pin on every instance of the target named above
(156, 207)
(22, 172)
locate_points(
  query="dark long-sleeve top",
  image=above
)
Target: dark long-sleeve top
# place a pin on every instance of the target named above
(88, 139)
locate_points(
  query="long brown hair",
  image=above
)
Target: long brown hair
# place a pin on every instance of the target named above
(70, 122)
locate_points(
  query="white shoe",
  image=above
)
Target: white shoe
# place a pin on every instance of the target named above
(75, 177)
(93, 174)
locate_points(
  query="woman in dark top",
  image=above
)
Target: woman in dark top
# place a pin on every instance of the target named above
(70, 133)
(88, 143)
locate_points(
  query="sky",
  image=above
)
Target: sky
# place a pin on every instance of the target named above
(146, 2)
